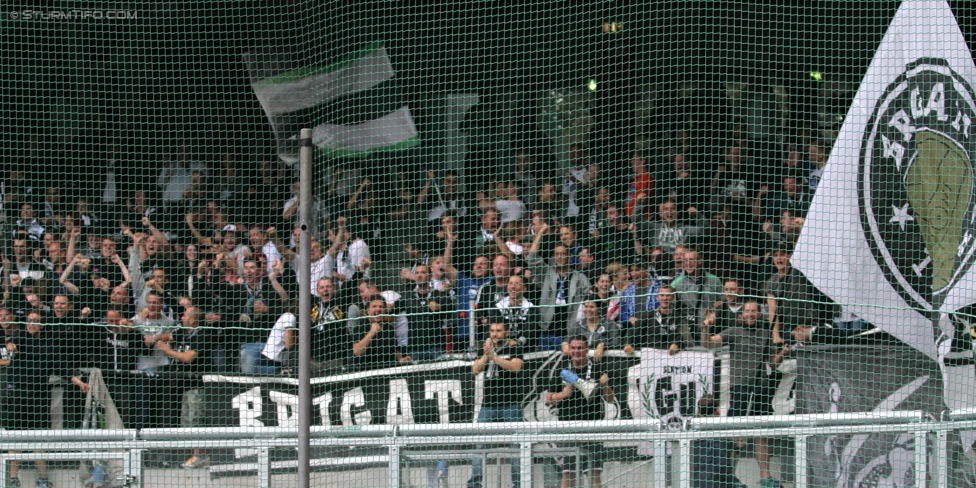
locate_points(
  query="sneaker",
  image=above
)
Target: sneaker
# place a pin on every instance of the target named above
(13, 483)
(43, 483)
(196, 462)
(770, 483)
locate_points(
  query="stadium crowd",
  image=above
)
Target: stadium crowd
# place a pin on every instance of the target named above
(191, 266)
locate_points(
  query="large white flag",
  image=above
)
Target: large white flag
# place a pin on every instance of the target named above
(890, 231)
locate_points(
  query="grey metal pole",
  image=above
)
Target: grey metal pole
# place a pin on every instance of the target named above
(305, 200)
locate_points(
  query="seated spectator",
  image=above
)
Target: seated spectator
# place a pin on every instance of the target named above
(669, 327)
(598, 332)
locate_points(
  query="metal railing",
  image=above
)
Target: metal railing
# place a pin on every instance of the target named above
(399, 441)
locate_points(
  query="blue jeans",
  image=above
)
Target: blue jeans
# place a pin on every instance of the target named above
(489, 414)
(251, 360)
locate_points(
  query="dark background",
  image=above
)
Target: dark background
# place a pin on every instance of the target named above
(176, 74)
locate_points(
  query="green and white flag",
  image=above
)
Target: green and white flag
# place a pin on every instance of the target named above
(353, 105)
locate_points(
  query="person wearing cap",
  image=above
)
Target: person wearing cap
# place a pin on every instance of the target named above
(788, 294)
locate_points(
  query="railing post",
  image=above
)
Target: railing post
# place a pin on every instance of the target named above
(394, 464)
(921, 461)
(525, 455)
(660, 464)
(682, 460)
(940, 459)
(135, 467)
(264, 467)
(800, 456)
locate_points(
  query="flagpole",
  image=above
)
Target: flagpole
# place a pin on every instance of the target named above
(304, 309)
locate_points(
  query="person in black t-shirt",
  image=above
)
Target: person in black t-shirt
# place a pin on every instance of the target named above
(578, 401)
(190, 349)
(501, 363)
(36, 358)
(375, 343)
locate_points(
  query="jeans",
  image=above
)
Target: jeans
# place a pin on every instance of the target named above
(251, 360)
(489, 414)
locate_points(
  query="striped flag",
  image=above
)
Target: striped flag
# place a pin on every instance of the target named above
(354, 105)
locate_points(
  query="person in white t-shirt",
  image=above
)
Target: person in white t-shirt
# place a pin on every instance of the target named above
(281, 339)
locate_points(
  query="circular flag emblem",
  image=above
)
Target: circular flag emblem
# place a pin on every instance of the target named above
(916, 181)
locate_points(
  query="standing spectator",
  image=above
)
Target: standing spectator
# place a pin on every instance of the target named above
(574, 404)
(155, 321)
(749, 343)
(259, 243)
(254, 306)
(375, 343)
(666, 233)
(280, 341)
(598, 332)
(789, 296)
(501, 362)
(468, 285)
(191, 350)
(698, 289)
(711, 460)
(28, 226)
(37, 357)
(521, 315)
(329, 336)
(624, 301)
(667, 328)
(427, 310)
(488, 295)
(561, 289)
(618, 241)
(769, 205)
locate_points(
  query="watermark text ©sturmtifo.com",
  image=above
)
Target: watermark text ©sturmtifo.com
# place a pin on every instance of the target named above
(73, 15)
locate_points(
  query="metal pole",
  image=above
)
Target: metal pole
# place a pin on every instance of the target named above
(305, 200)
